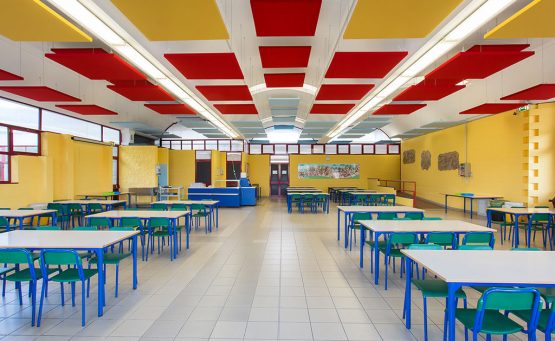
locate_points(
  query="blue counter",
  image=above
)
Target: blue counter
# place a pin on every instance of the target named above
(228, 196)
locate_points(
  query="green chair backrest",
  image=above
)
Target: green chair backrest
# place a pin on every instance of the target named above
(75, 208)
(320, 197)
(402, 238)
(361, 216)
(158, 207)
(100, 222)
(414, 215)
(178, 207)
(424, 247)
(159, 222)
(121, 228)
(198, 207)
(509, 299)
(5, 208)
(130, 222)
(440, 238)
(478, 238)
(25, 209)
(525, 249)
(307, 197)
(295, 197)
(48, 228)
(85, 228)
(387, 215)
(475, 247)
(540, 217)
(432, 218)
(60, 257)
(15, 256)
(3, 222)
(95, 207)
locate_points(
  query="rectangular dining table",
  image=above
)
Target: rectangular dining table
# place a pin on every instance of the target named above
(21, 215)
(108, 204)
(479, 268)
(94, 241)
(516, 213)
(471, 199)
(211, 204)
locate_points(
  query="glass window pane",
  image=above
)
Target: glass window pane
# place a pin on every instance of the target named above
(211, 144)
(224, 145)
(237, 146)
(204, 155)
(293, 149)
(18, 114)
(110, 135)
(306, 148)
(4, 169)
(381, 148)
(25, 142)
(3, 139)
(317, 149)
(255, 149)
(115, 151)
(62, 124)
(331, 149)
(343, 149)
(280, 149)
(198, 145)
(166, 144)
(393, 149)
(186, 145)
(368, 149)
(114, 172)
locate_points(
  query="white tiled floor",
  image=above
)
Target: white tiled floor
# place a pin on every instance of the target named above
(264, 275)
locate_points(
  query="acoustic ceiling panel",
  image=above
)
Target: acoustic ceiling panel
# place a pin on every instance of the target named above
(171, 109)
(403, 19)
(175, 19)
(428, 91)
(476, 65)
(491, 108)
(284, 56)
(236, 109)
(540, 92)
(363, 64)
(499, 48)
(40, 93)
(8, 76)
(225, 92)
(343, 91)
(284, 102)
(285, 18)
(87, 109)
(533, 21)
(141, 92)
(206, 65)
(331, 108)
(284, 80)
(95, 63)
(32, 20)
(398, 109)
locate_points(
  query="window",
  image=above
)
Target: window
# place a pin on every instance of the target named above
(25, 142)
(62, 124)
(198, 145)
(17, 114)
(211, 144)
(115, 166)
(4, 157)
(110, 135)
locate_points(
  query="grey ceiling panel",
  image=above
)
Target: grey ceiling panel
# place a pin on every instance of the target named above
(284, 102)
(283, 112)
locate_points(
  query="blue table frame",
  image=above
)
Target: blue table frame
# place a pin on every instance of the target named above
(213, 209)
(516, 214)
(29, 214)
(326, 203)
(471, 198)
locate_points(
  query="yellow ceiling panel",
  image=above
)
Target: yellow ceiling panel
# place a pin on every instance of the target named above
(533, 21)
(175, 19)
(31, 20)
(390, 19)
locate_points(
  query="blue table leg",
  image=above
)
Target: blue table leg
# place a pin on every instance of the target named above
(362, 235)
(516, 236)
(376, 259)
(488, 218)
(338, 224)
(187, 228)
(529, 232)
(408, 288)
(346, 228)
(100, 265)
(446, 203)
(134, 250)
(175, 239)
(471, 207)
(464, 205)
(20, 223)
(451, 290)
(217, 215)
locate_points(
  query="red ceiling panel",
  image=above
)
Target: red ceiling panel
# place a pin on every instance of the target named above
(499, 48)
(540, 92)
(283, 80)
(398, 109)
(40, 93)
(343, 91)
(363, 64)
(285, 18)
(141, 92)
(171, 109)
(225, 92)
(491, 108)
(87, 109)
(428, 91)
(206, 65)
(338, 109)
(95, 64)
(284, 56)
(236, 109)
(8, 76)
(476, 65)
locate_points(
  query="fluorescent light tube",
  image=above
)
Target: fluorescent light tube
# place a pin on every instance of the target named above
(139, 61)
(174, 89)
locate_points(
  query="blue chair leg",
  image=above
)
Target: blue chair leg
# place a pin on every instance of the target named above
(33, 286)
(18, 288)
(83, 304)
(425, 308)
(42, 292)
(117, 278)
(62, 293)
(72, 294)
(386, 270)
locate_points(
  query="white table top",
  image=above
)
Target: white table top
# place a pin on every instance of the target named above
(488, 267)
(372, 193)
(23, 213)
(212, 194)
(352, 190)
(423, 226)
(116, 214)
(62, 239)
(475, 196)
(102, 194)
(303, 190)
(305, 193)
(93, 201)
(379, 209)
(522, 210)
(187, 202)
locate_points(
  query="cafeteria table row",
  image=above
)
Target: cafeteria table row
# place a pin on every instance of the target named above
(516, 214)
(334, 191)
(470, 198)
(308, 197)
(212, 205)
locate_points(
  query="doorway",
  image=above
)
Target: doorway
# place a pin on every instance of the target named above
(279, 174)
(203, 167)
(233, 168)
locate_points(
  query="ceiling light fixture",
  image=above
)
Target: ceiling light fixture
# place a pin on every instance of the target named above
(88, 15)
(467, 21)
(259, 88)
(283, 135)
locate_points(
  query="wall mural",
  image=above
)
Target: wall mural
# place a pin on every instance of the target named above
(425, 160)
(328, 171)
(409, 156)
(448, 161)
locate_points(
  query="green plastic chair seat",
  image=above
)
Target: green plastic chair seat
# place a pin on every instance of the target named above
(111, 258)
(494, 322)
(526, 315)
(72, 275)
(25, 275)
(435, 288)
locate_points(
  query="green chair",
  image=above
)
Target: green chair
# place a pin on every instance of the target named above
(295, 200)
(160, 228)
(432, 218)
(199, 211)
(307, 200)
(395, 243)
(95, 208)
(136, 224)
(101, 223)
(432, 288)
(179, 228)
(504, 221)
(85, 228)
(28, 223)
(61, 214)
(355, 225)
(474, 247)
(47, 228)
(479, 238)
(545, 320)
(540, 222)
(359, 199)
(388, 199)
(487, 317)
(75, 273)
(76, 213)
(414, 215)
(5, 225)
(158, 207)
(443, 239)
(387, 215)
(320, 201)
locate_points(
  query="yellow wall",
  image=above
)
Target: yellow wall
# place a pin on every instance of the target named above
(92, 168)
(34, 183)
(181, 168)
(541, 174)
(495, 148)
(60, 149)
(371, 166)
(137, 166)
(259, 172)
(218, 168)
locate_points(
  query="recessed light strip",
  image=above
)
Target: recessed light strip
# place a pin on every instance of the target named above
(93, 19)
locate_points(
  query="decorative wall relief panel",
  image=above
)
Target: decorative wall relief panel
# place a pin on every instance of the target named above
(448, 161)
(409, 156)
(425, 159)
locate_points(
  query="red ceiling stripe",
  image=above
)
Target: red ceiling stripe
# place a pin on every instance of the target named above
(285, 18)
(284, 56)
(87, 109)
(171, 109)
(343, 91)
(8, 76)
(284, 80)
(95, 64)
(398, 109)
(499, 48)
(40, 93)
(363, 64)
(206, 65)
(142, 92)
(428, 91)
(225, 92)
(338, 109)
(540, 92)
(236, 109)
(491, 108)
